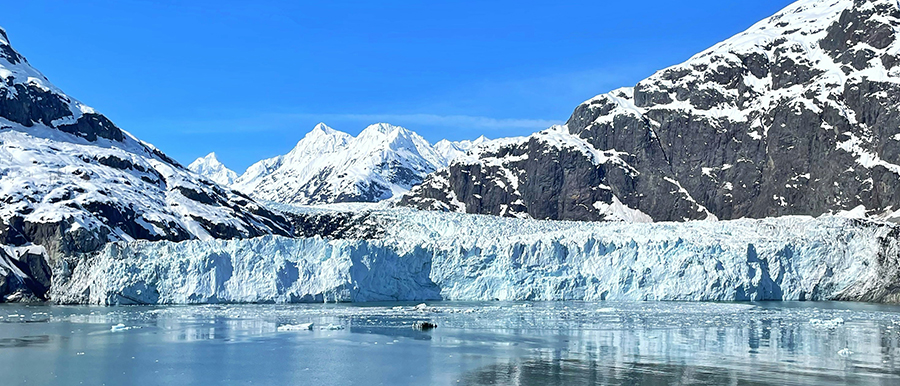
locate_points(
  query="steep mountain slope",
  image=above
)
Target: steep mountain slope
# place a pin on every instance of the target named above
(70, 180)
(329, 166)
(800, 114)
(210, 167)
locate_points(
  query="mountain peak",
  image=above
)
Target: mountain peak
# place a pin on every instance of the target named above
(211, 157)
(323, 130)
(210, 167)
(320, 140)
(321, 127)
(383, 129)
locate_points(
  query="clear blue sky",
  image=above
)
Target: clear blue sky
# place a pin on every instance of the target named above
(247, 79)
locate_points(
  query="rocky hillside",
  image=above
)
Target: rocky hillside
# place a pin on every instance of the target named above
(800, 114)
(71, 180)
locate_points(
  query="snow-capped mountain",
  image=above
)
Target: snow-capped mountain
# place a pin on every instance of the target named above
(451, 150)
(800, 114)
(71, 180)
(210, 167)
(329, 166)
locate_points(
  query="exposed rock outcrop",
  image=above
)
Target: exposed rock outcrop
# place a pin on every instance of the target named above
(800, 114)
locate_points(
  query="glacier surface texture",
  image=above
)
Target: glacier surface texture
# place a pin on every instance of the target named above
(427, 256)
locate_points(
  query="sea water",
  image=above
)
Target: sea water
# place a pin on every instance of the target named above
(491, 343)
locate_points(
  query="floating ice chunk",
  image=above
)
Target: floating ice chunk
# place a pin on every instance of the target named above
(332, 327)
(118, 327)
(424, 308)
(295, 327)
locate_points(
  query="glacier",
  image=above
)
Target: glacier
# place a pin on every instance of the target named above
(452, 256)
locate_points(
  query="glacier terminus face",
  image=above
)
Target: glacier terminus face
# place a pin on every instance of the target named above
(440, 256)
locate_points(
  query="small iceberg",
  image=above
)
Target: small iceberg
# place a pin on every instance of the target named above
(296, 327)
(332, 327)
(118, 327)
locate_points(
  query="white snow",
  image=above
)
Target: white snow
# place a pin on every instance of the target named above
(427, 255)
(50, 176)
(45, 174)
(327, 164)
(453, 150)
(617, 211)
(210, 167)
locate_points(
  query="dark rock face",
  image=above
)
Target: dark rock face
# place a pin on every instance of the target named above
(805, 122)
(24, 277)
(338, 225)
(29, 104)
(538, 180)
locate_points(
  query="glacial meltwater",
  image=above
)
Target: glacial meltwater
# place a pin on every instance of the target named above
(492, 343)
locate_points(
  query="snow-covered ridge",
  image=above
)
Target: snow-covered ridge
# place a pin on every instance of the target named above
(794, 33)
(71, 180)
(451, 150)
(449, 256)
(330, 166)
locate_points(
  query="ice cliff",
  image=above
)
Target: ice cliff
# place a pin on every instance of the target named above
(422, 256)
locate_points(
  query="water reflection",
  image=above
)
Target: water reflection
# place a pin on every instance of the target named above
(572, 372)
(475, 344)
(24, 341)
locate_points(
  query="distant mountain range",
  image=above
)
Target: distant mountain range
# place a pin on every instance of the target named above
(330, 166)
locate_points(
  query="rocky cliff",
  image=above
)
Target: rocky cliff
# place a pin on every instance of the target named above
(800, 114)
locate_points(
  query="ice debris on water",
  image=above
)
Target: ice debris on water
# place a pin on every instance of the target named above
(295, 327)
(119, 327)
(332, 327)
(827, 323)
(425, 308)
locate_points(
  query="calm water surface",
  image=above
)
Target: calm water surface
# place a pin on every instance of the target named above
(474, 344)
